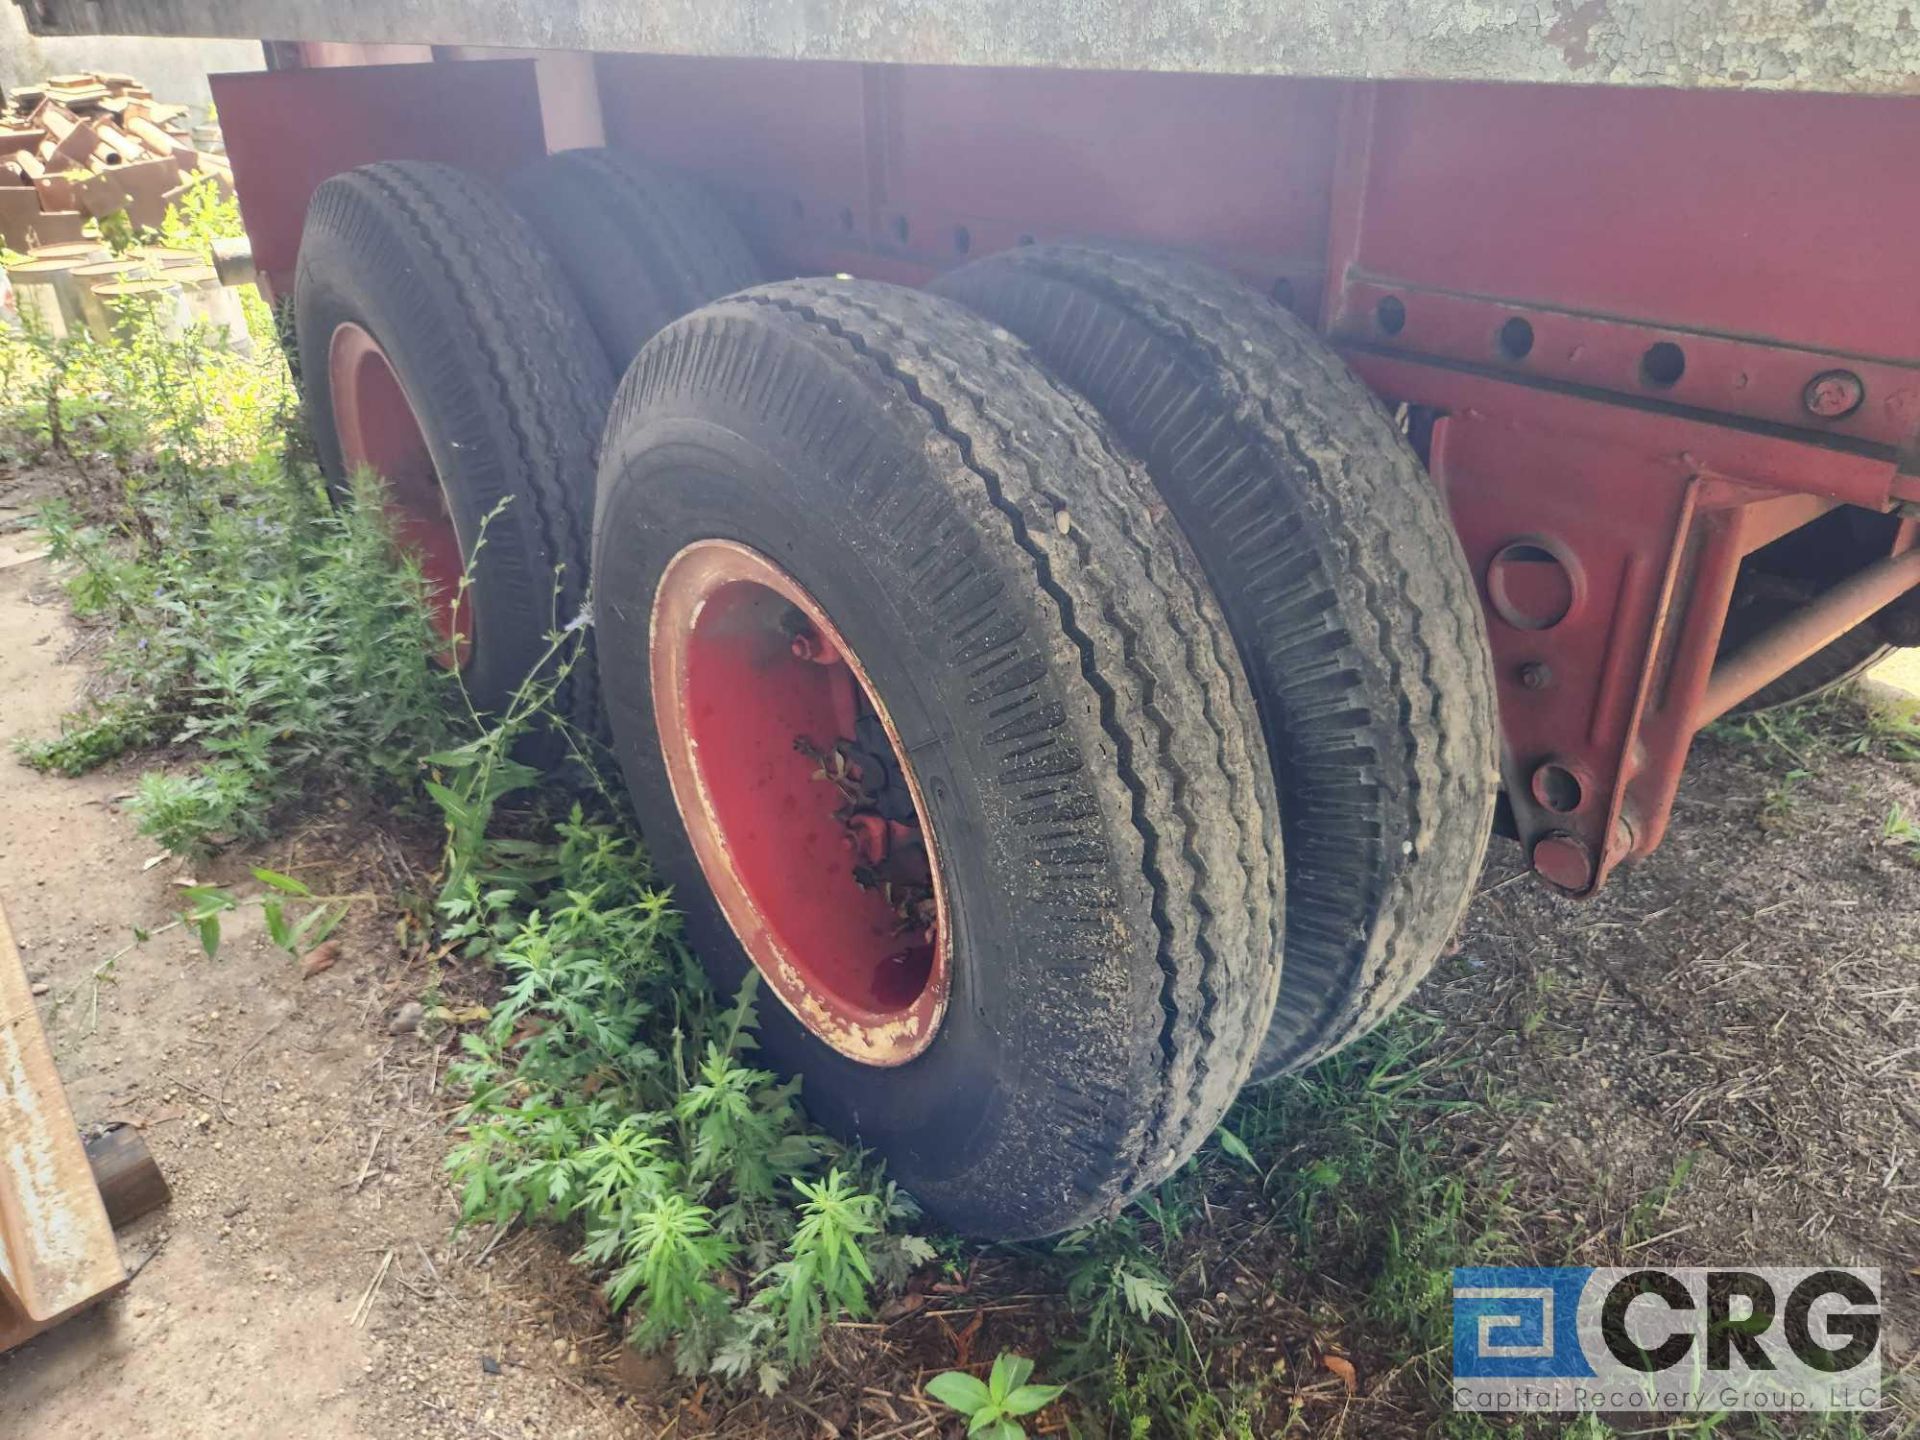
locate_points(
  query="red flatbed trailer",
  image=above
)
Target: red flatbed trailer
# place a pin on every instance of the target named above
(1635, 282)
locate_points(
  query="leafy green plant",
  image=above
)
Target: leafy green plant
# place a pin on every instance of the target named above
(203, 212)
(609, 1088)
(1351, 1164)
(1783, 799)
(1136, 1359)
(1887, 727)
(1116, 1280)
(1846, 720)
(89, 739)
(285, 648)
(297, 931)
(286, 651)
(993, 1406)
(248, 620)
(1902, 832)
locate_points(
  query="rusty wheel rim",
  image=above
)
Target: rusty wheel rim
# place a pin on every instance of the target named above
(814, 840)
(378, 431)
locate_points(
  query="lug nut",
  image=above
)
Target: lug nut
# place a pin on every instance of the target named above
(1535, 676)
(810, 644)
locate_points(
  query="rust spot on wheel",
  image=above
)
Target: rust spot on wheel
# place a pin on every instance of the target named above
(378, 431)
(801, 804)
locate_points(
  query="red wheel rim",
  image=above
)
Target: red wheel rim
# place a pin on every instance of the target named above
(378, 431)
(767, 721)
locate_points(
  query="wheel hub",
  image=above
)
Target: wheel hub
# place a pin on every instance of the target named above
(800, 803)
(378, 431)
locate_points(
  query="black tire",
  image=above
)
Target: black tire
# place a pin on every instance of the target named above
(1760, 600)
(1344, 582)
(1063, 682)
(505, 380)
(641, 244)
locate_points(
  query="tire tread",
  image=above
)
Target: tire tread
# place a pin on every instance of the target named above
(1351, 600)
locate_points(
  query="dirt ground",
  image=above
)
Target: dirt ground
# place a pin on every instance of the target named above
(1747, 1002)
(304, 1281)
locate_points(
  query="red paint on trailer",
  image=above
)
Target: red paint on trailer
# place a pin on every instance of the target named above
(287, 131)
(1781, 216)
(1645, 330)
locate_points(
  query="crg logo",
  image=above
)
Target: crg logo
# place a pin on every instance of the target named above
(1761, 1338)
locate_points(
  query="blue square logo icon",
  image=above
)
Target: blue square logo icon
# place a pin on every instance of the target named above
(1518, 1322)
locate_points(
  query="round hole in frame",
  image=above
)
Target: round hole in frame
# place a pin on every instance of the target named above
(1530, 586)
(1663, 364)
(1558, 788)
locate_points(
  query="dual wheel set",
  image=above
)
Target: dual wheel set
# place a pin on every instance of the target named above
(1013, 673)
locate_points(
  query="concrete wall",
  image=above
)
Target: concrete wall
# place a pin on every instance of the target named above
(1849, 46)
(175, 70)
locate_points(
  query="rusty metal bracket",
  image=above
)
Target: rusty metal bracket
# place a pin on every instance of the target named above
(57, 1252)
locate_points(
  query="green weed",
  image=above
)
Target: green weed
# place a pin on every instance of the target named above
(610, 1089)
(992, 1406)
(1778, 807)
(90, 738)
(279, 642)
(1902, 832)
(205, 211)
(1794, 732)
(247, 619)
(1642, 1221)
(1843, 721)
(1365, 1199)
(1889, 728)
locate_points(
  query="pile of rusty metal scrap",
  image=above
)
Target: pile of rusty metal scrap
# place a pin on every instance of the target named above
(86, 146)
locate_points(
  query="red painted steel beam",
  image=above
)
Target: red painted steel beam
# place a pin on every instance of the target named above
(1682, 445)
(1860, 403)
